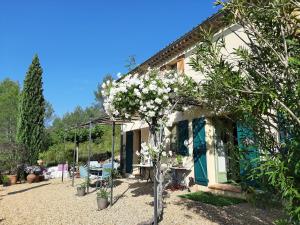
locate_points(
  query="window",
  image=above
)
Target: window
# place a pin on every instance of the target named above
(180, 65)
(176, 65)
(179, 134)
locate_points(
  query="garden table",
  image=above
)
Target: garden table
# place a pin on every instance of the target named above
(145, 167)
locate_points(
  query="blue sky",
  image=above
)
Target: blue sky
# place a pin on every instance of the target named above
(78, 41)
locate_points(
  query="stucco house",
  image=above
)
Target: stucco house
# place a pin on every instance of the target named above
(207, 156)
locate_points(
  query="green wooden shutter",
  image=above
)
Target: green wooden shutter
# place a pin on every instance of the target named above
(249, 151)
(199, 145)
(183, 134)
(129, 151)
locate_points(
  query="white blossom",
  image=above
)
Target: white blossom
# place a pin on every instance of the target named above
(158, 101)
(151, 113)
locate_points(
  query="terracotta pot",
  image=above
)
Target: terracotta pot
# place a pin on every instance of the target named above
(80, 191)
(41, 178)
(12, 179)
(31, 178)
(37, 178)
(102, 203)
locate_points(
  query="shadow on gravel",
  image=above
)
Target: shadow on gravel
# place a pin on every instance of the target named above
(141, 188)
(239, 214)
(27, 189)
(2, 220)
(122, 195)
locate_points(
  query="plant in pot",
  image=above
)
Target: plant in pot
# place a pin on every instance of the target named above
(102, 198)
(13, 176)
(5, 181)
(33, 173)
(81, 189)
(179, 160)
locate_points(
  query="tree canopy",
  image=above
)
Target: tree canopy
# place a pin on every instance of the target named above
(9, 98)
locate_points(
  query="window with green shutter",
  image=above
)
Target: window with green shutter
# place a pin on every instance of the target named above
(182, 135)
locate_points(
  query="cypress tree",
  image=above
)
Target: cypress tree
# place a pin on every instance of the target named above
(30, 129)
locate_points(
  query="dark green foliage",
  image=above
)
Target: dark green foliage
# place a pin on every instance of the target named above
(5, 180)
(209, 198)
(31, 116)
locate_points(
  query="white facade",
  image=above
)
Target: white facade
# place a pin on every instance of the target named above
(217, 161)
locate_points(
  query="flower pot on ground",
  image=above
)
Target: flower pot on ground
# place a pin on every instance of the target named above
(41, 177)
(102, 199)
(81, 189)
(12, 179)
(37, 178)
(31, 178)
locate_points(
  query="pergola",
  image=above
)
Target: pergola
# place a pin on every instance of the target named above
(103, 120)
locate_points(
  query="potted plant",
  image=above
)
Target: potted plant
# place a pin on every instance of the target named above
(33, 173)
(102, 198)
(13, 177)
(179, 160)
(81, 189)
(5, 181)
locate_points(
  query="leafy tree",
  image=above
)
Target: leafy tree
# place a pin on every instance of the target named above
(9, 97)
(259, 85)
(31, 118)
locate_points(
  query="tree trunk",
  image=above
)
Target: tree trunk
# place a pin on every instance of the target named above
(158, 183)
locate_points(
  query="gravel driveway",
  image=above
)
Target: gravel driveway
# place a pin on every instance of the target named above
(51, 202)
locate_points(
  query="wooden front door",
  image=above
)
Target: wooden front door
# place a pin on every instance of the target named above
(129, 151)
(199, 150)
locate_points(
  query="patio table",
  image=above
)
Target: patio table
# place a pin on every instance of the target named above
(145, 167)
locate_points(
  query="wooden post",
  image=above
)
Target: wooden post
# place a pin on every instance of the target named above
(89, 157)
(112, 163)
(62, 172)
(74, 155)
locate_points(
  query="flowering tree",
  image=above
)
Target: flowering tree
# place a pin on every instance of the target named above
(151, 96)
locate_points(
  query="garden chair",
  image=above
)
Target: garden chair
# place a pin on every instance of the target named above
(83, 171)
(104, 178)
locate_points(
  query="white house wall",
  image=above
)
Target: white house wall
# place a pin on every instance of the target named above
(232, 41)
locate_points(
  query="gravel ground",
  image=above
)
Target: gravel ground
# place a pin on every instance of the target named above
(51, 202)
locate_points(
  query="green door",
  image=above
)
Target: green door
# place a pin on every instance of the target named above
(199, 149)
(129, 151)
